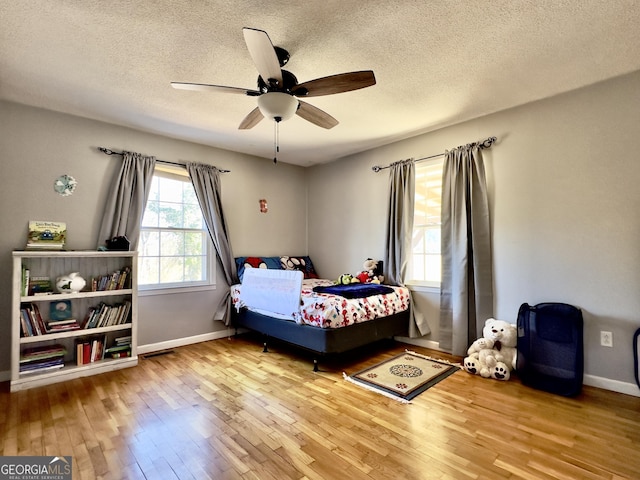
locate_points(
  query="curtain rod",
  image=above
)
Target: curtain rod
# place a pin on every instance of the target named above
(486, 143)
(108, 151)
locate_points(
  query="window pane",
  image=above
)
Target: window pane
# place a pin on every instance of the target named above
(171, 244)
(426, 247)
(151, 216)
(171, 269)
(174, 243)
(149, 270)
(149, 243)
(193, 243)
(170, 214)
(194, 269)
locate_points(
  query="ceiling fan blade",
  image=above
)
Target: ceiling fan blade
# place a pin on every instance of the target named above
(342, 82)
(316, 116)
(251, 120)
(264, 55)
(216, 88)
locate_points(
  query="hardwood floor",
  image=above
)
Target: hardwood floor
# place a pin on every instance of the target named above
(225, 410)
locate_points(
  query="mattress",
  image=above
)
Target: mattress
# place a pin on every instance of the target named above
(332, 311)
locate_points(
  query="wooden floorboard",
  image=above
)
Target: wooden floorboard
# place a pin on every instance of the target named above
(225, 410)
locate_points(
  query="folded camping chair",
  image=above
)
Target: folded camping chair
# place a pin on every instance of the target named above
(550, 347)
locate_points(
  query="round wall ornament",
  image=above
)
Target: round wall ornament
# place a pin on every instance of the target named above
(65, 185)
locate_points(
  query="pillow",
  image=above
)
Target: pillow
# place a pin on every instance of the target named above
(257, 262)
(299, 263)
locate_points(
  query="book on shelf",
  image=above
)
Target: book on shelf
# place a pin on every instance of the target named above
(46, 235)
(58, 326)
(117, 280)
(60, 310)
(40, 286)
(31, 322)
(104, 315)
(39, 359)
(90, 350)
(24, 287)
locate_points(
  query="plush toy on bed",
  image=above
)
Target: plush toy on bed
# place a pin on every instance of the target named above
(346, 279)
(372, 272)
(493, 355)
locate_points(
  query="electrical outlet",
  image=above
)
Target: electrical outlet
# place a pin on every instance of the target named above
(606, 339)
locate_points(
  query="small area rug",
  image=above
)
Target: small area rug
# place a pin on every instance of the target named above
(404, 376)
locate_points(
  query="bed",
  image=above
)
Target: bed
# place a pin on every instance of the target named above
(321, 322)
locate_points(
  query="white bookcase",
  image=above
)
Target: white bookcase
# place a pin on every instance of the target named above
(89, 264)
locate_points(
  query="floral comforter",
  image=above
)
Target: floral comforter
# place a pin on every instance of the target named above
(332, 311)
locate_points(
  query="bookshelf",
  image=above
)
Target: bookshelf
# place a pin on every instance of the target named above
(104, 336)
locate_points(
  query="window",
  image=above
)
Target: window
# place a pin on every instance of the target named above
(425, 263)
(174, 249)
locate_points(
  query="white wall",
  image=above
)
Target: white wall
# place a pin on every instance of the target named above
(564, 197)
(36, 146)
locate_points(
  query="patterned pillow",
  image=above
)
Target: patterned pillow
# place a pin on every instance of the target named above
(299, 263)
(257, 262)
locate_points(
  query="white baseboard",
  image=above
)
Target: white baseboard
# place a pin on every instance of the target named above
(590, 380)
(613, 385)
(181, 342)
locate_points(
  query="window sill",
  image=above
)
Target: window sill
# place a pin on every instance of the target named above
(415, 287)
(174, 290)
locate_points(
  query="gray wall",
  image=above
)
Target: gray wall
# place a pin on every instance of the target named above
(36, 146)
(564, 197)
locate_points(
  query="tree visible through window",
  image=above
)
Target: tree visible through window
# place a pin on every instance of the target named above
(174, 242)
(425, 264)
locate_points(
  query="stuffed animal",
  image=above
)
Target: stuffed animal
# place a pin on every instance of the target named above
(493, 355)
(505, 339)
(346, 279)
(374, 269)
(480, 344)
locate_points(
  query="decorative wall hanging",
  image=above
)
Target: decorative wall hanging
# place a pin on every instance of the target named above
(263, 205)
(65, 185)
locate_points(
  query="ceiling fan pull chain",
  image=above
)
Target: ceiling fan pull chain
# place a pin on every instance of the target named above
(276, 139)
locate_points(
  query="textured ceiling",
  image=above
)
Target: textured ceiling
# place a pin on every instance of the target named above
(436, 63)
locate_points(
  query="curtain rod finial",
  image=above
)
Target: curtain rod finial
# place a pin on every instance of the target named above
(376, 168)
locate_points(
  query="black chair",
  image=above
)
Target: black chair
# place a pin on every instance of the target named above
(550, 347)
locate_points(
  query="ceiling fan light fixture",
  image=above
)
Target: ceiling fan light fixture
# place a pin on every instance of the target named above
(277, 105)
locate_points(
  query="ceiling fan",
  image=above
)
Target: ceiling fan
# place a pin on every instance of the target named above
(279, 91)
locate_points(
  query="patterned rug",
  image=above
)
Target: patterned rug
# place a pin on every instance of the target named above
(404, 376)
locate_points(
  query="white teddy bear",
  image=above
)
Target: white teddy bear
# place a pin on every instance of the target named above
(493, 355)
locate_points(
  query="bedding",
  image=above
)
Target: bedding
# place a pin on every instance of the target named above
(326, 310)
(324, 323)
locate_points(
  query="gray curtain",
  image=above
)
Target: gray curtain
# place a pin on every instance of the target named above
(466, 296)
(399, 235)
(125, 207)
(206, 183)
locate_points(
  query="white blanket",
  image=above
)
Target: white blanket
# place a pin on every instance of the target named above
(272, 291)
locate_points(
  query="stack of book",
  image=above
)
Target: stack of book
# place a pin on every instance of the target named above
(105, 315)
(120, 349)
(39, 359)
(113, 281)
(45, 235)
(56, 326)
(31, 323)
(90, 350)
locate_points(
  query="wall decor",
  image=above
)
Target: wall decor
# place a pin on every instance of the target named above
(263, 205)
(65, 185)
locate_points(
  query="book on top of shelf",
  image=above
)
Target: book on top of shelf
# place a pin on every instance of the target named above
(46, 235)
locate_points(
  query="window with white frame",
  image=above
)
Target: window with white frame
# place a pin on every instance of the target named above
(175, 250)
(425, 263)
